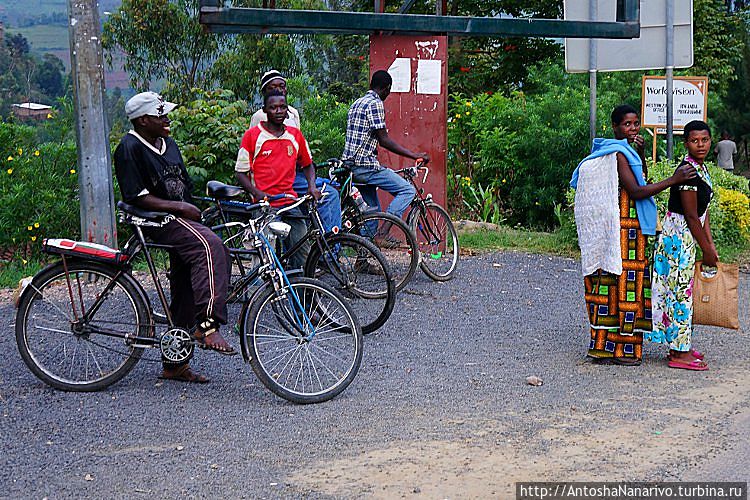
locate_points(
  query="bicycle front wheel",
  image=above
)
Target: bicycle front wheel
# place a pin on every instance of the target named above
(395, 240)
(71, 326)
(437, 240)
(356, 269)
(304, 341)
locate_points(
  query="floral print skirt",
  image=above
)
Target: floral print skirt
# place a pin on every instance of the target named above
(672, 284)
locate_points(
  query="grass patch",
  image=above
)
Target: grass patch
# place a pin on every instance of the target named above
(44, 37)
(561, 243)
(13, 271)
(506, 238)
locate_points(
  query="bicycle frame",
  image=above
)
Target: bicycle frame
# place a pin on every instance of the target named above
(270, 270)
(315, 232)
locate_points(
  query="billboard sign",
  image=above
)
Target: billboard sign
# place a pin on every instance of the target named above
(690, 94)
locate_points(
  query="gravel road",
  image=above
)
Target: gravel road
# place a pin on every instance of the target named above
(439, 409)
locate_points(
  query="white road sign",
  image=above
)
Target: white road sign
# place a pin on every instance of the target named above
(646, 52)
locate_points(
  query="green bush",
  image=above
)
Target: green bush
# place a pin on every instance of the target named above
(324, 126)
(524, 146)
(38, 192)
(209, 131)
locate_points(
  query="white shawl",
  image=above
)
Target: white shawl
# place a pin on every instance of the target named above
(597, 215)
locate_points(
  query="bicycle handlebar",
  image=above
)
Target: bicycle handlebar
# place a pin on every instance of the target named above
(412, 171)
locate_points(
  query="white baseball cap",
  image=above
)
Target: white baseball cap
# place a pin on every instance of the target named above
(147, 103)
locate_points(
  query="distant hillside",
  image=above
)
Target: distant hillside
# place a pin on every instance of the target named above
(44, 23)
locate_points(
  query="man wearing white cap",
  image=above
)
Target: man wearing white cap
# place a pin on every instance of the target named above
(329, 207)
(152, 176)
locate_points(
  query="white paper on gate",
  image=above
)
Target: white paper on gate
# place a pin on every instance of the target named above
(400, 71)
(429, 72)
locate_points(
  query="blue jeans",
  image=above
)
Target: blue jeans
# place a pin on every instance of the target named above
(329, 207)
(297, 220)
(388, 180)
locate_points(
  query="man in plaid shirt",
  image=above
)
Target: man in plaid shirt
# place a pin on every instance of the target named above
(365, 130)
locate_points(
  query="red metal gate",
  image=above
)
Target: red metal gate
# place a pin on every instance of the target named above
(415, 111)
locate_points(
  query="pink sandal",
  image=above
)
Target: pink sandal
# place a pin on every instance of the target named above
(693, 352)
(697, 365)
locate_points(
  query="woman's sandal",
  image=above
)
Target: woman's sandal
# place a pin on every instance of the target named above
(696, 364)
(693, 352)
(206, 330)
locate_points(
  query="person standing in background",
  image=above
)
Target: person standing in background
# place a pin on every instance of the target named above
(725, 150)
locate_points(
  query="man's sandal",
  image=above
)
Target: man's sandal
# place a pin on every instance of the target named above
(207, 329)
(184, 374)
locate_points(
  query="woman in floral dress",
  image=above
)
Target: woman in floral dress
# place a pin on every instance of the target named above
(686, 224)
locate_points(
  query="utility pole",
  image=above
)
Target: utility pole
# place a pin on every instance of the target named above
(94, 171)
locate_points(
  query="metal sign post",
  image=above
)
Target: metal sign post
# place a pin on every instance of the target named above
(94, 171)
(593, 16)
(670, 78)
(417, 106)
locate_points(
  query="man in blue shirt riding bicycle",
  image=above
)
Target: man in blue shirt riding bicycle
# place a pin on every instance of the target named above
(365, 130)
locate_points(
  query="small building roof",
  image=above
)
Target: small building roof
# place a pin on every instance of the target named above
(33, 106)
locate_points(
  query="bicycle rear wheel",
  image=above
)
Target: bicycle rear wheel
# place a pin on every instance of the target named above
(67, 351)
(400, 248)
(437, 240)
(306, 350)
(356, 269)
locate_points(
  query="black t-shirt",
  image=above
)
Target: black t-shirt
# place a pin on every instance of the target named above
(697, 184)
(142, 169)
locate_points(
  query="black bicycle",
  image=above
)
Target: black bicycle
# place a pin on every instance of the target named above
(84, 321)
(437, 239)
(391, 234)
(352, 265)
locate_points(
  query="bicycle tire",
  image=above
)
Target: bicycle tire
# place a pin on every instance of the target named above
(367, 286)
(402, 259)
(275, 346)
(429, 223)
(46, 307)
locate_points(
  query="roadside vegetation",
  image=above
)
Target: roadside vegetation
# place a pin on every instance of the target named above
(517, 123)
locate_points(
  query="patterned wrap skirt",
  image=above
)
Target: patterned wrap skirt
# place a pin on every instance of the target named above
(619, 307)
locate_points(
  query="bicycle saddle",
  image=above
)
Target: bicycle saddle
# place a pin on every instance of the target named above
(219, 190)
(139, 217)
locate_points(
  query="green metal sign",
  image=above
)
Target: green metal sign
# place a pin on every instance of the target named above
(249, 20)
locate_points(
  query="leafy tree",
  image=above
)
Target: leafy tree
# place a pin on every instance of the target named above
(49, 76)
(24, 77)
(162, 39)
(732, 113)
(717, 40)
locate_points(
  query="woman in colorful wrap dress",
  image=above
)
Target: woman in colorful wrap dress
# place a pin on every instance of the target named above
(685, 224)
(615, 212)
